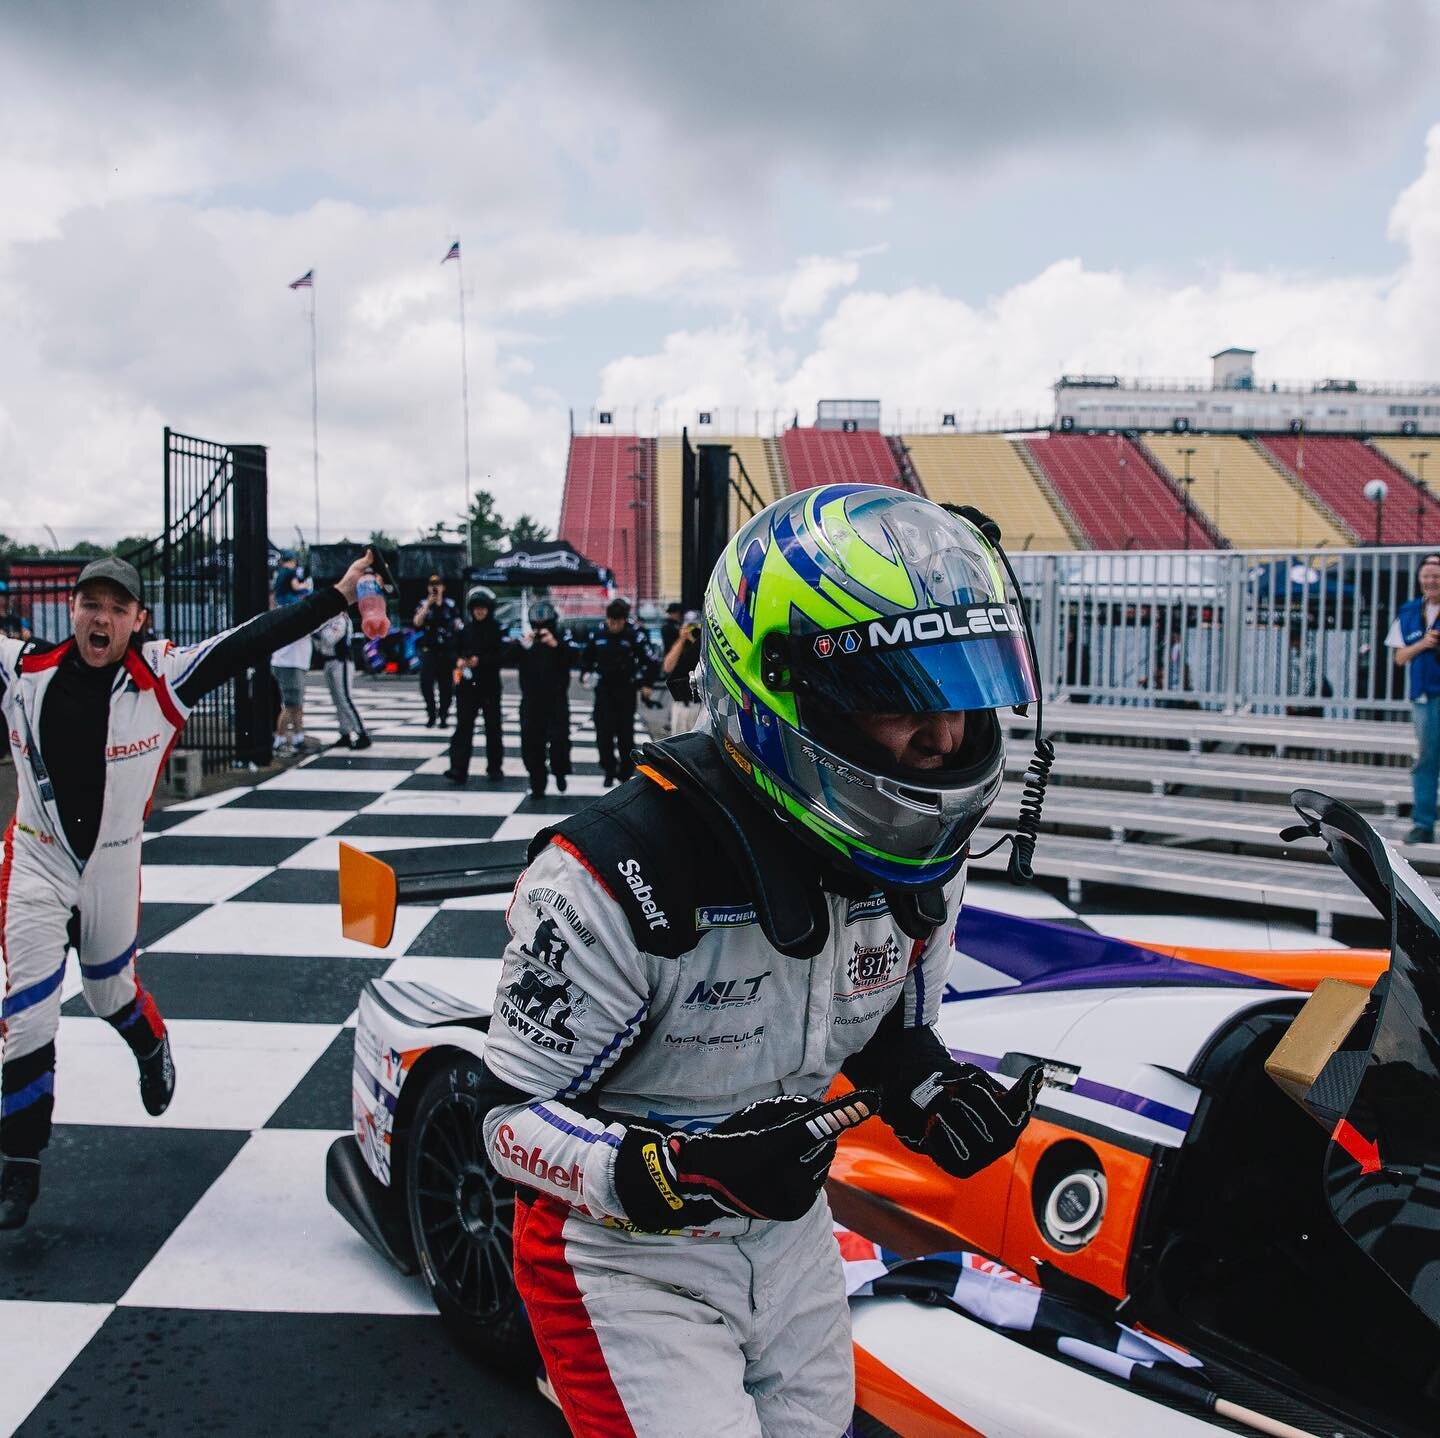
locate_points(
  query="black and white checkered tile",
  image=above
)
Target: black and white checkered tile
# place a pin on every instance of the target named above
(187, 1273)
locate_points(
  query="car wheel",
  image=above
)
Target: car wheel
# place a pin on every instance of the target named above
(462, 1214)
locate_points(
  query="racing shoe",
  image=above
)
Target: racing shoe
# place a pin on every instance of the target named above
(362, 741)
(157, 1078)
(19, 1188)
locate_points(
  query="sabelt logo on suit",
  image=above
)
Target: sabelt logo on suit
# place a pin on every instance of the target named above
(654, 914)
(533, 1161)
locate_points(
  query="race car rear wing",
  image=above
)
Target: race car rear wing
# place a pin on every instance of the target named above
(370, 888)
(1382, 1085)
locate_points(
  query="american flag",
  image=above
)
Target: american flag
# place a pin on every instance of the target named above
(453, 253)
(305, 282)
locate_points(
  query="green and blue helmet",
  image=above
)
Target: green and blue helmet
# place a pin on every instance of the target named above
(849, 599)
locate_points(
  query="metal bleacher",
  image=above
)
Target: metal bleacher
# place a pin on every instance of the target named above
(1244, 495)
(1192, 802)
(988, 471)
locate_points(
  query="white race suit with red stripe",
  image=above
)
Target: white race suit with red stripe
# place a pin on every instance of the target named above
(50, 896)
(739, 1329)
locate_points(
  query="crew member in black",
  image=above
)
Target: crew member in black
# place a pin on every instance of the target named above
(477, 692)
(670, 629)
(618, 661)
(438, 621)
(544, 659)
(88, 722)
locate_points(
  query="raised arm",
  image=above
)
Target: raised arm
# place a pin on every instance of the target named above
(199, 668)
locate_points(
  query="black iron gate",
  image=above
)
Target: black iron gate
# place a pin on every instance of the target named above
(214, 572)
(207, 570)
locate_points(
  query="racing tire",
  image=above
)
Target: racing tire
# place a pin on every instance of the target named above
(462, 1215)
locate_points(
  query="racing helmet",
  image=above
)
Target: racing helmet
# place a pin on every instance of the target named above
(544, 614)
(847, 599)
(479, 594)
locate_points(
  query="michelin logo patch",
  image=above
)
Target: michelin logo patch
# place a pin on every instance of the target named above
(725, 917)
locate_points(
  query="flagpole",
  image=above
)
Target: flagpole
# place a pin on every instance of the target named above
(464, 396)
(314, 415)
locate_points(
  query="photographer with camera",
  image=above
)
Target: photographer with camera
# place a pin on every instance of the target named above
(618, 661)
(477, 689)
(438, 623)
(681, 657)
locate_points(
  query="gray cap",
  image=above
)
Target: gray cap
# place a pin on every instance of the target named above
(117, 571)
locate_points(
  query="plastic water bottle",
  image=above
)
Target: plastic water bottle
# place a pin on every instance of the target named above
(371, 599)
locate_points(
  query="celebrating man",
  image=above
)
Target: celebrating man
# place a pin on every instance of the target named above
(91, 722)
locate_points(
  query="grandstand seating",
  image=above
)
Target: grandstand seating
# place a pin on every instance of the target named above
(1338, 468)
(667, 516)
(1403, 454)
(595, 515)
(1115, 493)
(761, 458)
(830, 456)
(985, 470)
(1243, 495)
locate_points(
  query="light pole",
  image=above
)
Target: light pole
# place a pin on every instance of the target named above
(1185, 454)
(1375, 492)
(1420, 456)
(641, 501)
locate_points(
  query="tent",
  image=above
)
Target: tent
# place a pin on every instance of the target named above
(549, 564)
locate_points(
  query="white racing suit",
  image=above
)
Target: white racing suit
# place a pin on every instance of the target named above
(638, 982)
(49, 896)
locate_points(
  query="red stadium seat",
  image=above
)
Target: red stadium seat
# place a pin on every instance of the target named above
(1336, 470)
(1116, 494)
(595, 514)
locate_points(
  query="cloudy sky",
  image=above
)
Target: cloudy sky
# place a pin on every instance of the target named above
(671, 205)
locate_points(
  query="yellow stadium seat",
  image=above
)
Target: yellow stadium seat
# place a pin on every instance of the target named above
(985, 470)
(1244, 496)
(762, 463)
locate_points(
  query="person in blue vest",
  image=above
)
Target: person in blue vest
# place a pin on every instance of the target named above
(1415, 640)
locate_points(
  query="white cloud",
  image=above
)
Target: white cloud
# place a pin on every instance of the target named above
(924, 349)
(816, 278)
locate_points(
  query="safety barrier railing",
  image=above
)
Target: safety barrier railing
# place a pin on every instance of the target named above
(1267, 631)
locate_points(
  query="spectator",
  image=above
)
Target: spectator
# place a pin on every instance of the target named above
(619, 661)
(544, 660)
(680, 660)
(670, 629)
(288, 586)
(477, 679)
(333, 640)
(289, 664)
(1415, 638)
(437, 622)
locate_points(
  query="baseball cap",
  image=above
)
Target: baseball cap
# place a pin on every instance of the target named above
(117, 571)
(435, 579)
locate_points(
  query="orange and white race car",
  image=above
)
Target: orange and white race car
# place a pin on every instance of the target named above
(1176, 1246)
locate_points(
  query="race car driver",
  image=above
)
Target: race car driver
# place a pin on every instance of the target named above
(694, 956)
(91, 722)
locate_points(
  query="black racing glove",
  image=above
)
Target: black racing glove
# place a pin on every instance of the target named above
(768, 1160)
(958, 1116)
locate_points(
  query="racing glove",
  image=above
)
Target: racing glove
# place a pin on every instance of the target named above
(958, 1116)
(767, 1160)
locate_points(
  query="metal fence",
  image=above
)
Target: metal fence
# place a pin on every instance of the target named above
(1272, 631)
